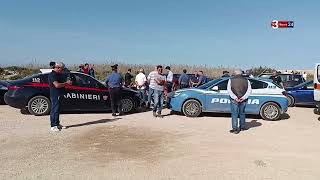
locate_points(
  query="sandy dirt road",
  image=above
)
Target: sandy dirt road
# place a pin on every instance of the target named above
(137, 146)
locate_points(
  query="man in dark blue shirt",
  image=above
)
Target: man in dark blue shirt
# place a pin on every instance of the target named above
(57, 89)
(114, 82)
(184, 80)
(202, 79)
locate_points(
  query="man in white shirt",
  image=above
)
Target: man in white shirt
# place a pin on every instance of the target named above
(141, 82)
(239, 89)
(169, 83)
(305, 76)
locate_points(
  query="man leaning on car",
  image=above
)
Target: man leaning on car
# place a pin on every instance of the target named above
(57, 89)
(239, 89)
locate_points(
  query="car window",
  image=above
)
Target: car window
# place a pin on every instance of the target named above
(310, 86)
(223, 85)
(258, 84)
(84, 81)
(44, 78)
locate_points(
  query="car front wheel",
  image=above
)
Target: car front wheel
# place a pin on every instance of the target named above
(128, 105)
(39, 106)
(191, 108)
(270, 111)
(290, 101)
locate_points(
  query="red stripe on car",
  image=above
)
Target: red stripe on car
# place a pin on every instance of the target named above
(46, 85)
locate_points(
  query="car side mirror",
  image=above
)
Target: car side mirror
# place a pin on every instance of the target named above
(215, 88)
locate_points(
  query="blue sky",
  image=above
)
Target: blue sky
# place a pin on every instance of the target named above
(205, 32)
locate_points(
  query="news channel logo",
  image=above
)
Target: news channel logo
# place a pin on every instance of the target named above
(275, 24)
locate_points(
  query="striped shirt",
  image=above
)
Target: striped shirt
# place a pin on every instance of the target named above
(151, 79)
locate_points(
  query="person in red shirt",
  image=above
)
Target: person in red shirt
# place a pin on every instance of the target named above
(86, 68)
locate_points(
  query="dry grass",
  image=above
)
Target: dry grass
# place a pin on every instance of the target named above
(103, 70)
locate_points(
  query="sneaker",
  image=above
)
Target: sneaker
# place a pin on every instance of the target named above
(154, 114)
(159, 115)
(114, 114)
(55, 129)
(234, 131)
(61, 127)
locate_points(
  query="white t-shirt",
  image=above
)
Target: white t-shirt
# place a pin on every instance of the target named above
(141, 81)
(170, 76)
(305, 76)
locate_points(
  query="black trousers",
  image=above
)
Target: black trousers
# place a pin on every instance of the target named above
(115, 98)
(55, 110)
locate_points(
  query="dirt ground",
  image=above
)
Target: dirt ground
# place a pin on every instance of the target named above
(138, 146)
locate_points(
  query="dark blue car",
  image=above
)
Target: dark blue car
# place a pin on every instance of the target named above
(301, 94)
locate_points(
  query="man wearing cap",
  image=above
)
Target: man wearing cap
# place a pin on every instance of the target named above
(114, 82)
(239, 89)
(141, 81)
(57, 86)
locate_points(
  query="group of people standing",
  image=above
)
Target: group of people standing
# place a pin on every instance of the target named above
(151, 88)
(186, 81)
(239, 90)
(157, 84)
(87, 69)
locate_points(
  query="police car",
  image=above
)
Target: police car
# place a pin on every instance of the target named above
(86, 94)
(267, 99)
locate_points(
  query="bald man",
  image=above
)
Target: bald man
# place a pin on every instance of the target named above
(239, 89)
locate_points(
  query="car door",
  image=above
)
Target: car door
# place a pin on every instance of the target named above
(69, 102)
(305, 95)
(88, 94)
(217, 98)
(259, 89)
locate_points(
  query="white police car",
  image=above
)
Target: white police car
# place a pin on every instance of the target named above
(267, 99)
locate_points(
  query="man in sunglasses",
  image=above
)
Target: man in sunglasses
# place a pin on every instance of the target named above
(57, 86)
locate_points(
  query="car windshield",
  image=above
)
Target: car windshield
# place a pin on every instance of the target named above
(210, 83)
(265, 76)
(303, 84)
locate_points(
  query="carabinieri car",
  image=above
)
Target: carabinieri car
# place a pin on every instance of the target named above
(267, 99)
(86, 94)
(301, 94)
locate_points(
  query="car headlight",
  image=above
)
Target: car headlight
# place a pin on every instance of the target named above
(176, 94)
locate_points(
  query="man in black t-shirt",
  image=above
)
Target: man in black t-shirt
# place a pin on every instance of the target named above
(57, 89)
(128, 78)
(276, 78)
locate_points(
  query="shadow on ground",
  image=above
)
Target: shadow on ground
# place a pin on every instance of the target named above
(284, 116)
(253, 124)
(101, 121)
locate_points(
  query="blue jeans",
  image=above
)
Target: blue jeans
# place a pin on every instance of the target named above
(142, 95)
(55, 111)
(150, 95)
(238, 110)
(158, 101)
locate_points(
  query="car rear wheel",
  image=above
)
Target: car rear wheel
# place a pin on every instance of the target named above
(127, 105)
(191, 108)
(39, 106)
(291, 101)
(270, 111)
